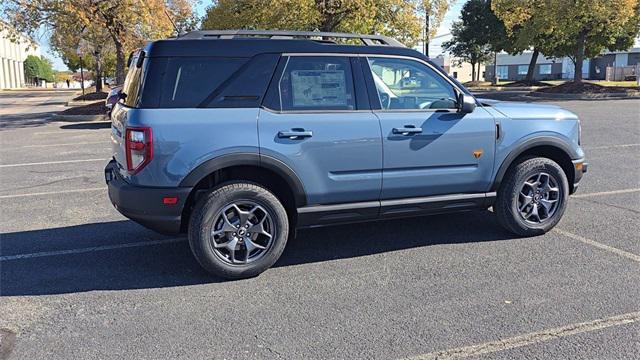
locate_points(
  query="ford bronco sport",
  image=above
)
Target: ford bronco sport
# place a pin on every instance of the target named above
(240, 137)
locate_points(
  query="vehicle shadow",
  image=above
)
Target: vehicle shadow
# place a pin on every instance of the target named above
(171, 263)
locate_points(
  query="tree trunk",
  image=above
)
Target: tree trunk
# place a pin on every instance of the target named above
(577, 75)
(120, 62)
(473, 71)
(532, 65)
(98, 67)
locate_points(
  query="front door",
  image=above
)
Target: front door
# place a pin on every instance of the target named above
(429, 147)
(317, 120)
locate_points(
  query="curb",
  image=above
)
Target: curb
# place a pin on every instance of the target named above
(552, 96)
(38, 90)
(79, 118)
(504, 88)
(74, 103)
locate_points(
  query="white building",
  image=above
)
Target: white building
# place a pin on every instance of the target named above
(12, 56)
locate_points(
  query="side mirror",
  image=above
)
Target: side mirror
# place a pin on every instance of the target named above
(466, 103)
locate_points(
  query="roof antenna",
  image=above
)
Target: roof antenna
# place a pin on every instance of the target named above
(178, 32)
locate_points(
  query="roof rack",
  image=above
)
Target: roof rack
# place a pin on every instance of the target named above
(368, 40)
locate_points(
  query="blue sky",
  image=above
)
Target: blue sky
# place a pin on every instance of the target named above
(201, 6)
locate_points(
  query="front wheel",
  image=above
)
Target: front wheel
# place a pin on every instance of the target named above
(532, 197)
(238, 230)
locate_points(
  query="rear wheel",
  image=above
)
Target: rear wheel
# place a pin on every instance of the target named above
(532, 197)
(238, 230)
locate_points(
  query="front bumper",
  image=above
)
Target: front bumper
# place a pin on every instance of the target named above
(145, 205)
(580, 167)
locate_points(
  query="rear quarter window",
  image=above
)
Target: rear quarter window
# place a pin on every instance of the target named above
(133, 82)
(188, 81)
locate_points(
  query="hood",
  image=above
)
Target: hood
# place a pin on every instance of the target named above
(529, 111)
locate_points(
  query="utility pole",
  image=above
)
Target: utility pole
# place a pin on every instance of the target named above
(426, 32)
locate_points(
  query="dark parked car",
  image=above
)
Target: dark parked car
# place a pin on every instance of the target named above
(112, 98)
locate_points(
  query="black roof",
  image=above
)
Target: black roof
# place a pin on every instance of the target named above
(249, 47)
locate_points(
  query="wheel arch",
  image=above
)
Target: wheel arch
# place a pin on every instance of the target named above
(545, 146)
(263, 170)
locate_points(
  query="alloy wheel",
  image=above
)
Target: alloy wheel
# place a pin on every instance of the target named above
(539, 198)
(242, 232)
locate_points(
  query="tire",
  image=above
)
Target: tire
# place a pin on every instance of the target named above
(246, 206)
(511, 197)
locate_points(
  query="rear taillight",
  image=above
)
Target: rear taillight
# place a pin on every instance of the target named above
(138, 148)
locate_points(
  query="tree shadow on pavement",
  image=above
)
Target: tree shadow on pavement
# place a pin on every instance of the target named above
(171, 263)
(25, 120)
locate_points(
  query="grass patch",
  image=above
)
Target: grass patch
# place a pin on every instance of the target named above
(92, 96)
(95, 108)
(585, 87)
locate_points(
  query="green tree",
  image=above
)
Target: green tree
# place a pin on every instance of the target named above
(128, 23)
(397, 18)
(38, 68)
(579, 29)
(472, 39)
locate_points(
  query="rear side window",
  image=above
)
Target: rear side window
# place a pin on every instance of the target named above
(189, 80)
(317, 83)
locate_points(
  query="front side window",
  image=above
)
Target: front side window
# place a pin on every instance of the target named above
(523, 69)
(404, 84)
(317, 83)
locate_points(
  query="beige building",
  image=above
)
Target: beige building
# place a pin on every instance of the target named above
(12, 56)
(461, 72)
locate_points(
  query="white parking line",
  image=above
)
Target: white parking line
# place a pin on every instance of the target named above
(594, 243)
(52, 162)
(90, 249)
(52, 193)
(613, 192)
(531, 338)
(71, 132)
(53, 145)
(610, 146)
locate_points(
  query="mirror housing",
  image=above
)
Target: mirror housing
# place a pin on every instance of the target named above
(466, 103)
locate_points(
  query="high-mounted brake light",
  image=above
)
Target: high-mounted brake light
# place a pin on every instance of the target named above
(138, 148)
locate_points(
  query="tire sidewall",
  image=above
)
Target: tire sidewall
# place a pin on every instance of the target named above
(209, 206)
(526, 170)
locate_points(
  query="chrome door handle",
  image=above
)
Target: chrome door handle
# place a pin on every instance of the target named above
(295, 134)
(407, 130)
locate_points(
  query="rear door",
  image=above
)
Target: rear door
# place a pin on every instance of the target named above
(316, 119)
(429, 148)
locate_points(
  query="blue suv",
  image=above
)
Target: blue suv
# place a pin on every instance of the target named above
(240, 137)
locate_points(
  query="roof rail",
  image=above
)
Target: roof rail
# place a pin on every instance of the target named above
(368, 40)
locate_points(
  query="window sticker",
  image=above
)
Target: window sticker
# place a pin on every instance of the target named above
(318, 87)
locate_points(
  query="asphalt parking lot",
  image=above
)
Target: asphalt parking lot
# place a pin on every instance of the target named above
(78, 280)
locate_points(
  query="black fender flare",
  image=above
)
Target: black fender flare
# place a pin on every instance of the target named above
(248, 159)
(529, 144)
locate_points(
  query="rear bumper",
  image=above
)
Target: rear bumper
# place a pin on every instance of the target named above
(580, 167)
(145, 205)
